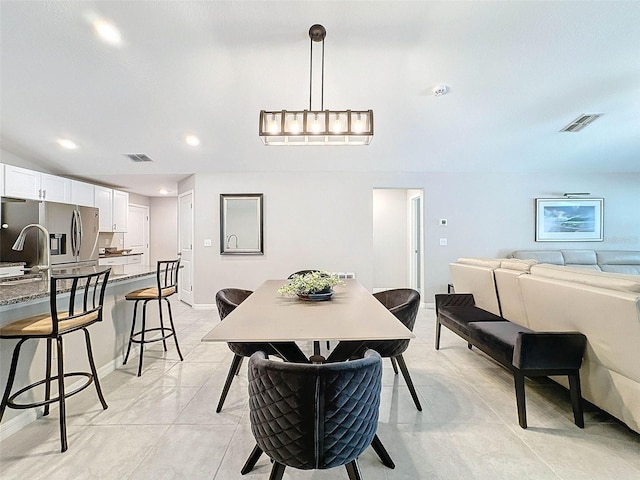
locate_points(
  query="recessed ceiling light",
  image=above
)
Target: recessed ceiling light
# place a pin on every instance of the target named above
(164, 191)
(66, 143)
(192, 140)
(108, 32)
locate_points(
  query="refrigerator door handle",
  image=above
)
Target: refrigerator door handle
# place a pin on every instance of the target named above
(73, 233)
(80, 233)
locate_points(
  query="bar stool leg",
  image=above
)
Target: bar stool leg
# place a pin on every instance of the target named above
(47, 386)
(12, 377)
(63, 409)
(144, 321)
(173, 329)
(94, 372)
(164, 340)
(133, 326)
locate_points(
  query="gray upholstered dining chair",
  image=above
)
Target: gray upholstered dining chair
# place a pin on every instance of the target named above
(404, 304)
(227, 300)
(316, 416)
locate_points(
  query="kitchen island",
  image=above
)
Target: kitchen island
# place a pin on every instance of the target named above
(24, 296)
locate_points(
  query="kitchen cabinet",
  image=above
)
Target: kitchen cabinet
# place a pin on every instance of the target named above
(29, 184)
(82, 193)
(114, 209)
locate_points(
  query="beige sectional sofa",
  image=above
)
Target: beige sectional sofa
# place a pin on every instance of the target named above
(612, 261)
(544, 297)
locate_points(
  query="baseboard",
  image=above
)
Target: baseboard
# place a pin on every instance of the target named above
(204, 306)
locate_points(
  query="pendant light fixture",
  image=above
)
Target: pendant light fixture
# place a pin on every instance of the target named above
(316, 127)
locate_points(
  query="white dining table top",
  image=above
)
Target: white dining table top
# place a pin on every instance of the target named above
(351, 314)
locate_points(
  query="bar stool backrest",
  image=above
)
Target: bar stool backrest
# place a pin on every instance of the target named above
(167, 277)
(86, 299)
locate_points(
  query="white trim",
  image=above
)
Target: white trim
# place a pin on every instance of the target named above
(203, 306)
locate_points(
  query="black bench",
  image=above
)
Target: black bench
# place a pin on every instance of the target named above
(522, 351)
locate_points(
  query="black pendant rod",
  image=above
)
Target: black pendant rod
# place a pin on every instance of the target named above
(317, 33)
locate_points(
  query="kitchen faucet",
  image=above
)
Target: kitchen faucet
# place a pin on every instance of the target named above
(44, 248)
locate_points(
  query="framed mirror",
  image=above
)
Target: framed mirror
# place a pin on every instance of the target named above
(241, 224)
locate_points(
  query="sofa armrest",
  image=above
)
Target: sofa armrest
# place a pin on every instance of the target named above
(549, 350)
(454, 300)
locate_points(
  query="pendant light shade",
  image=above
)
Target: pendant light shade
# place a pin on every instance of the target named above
(316, 127)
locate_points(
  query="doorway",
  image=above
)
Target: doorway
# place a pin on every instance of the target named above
(398, 233)
(137, 236)
(185, 235)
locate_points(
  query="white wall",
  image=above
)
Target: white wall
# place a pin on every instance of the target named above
(390, 239)
(325, 220)
(163, 228)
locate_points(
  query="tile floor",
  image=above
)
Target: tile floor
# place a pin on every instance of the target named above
(164, 425)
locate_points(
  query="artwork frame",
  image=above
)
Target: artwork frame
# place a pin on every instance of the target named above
(569, 219)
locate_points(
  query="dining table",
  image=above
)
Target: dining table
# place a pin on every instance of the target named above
(352, 316)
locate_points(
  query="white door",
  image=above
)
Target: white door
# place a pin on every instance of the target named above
(185, 222)
(415, 243)
(137, 236)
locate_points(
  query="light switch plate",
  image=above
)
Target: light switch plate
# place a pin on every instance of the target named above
(207, 242)
(443, 241)
(443, 222)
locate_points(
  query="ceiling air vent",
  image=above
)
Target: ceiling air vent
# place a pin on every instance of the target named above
(581, 122)
(138, 157)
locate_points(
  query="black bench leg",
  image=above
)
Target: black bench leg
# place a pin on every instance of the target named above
(576, 399)
(438, 329)
(518, 379)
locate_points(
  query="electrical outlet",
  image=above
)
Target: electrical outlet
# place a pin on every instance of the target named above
(443, 242)
(106, 241)
(122, 241)
(207, 242)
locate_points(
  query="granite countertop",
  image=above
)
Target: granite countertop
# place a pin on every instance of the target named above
(109, 255)
(32, 287)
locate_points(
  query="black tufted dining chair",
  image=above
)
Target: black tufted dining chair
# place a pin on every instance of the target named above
(227, 300)
(404, 304)
(316, 416)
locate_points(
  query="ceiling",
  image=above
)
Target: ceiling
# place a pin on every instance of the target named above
(517, 72)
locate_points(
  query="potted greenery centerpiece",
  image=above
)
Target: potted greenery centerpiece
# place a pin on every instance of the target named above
(315, 285)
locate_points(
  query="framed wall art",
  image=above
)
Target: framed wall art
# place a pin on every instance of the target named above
(569, 219)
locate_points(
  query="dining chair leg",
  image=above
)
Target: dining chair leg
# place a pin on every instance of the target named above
(11, 378)
(252, 460)
(407, 378)
(47, 385)
(239, 366)
(173, 329)
(277, 472)
(94, 372)
(133, 327)
(235, 365)
(164, 340)
(378, 447)
(394, 364)
(353, 470)
(61, 401)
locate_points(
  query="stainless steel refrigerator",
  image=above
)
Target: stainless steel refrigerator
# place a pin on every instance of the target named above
(73, 232)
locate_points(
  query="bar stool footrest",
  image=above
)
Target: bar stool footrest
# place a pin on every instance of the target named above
(21, 406)
(163, 336)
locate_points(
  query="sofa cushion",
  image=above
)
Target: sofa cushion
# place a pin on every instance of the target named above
(481, 262)
(517, 264)
(542, 256)
(579, 257)
(625, 269)
(618, 257)
(622, 283)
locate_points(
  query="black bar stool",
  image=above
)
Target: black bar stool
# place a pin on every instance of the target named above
(167, 285)
(85, 302)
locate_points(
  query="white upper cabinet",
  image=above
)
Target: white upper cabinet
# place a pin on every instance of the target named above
(24, 183)
(114, 209)
(120, 211)
(82, 193)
